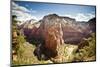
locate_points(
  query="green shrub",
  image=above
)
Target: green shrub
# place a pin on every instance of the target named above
(88, 52)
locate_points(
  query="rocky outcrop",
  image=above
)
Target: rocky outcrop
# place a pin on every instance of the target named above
(51, 31)
(53, 38)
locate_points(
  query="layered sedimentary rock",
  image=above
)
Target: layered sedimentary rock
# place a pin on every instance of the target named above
(53, 31)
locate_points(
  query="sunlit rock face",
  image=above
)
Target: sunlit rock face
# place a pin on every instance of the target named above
(52, 33)
(53, 38)
(73, 31)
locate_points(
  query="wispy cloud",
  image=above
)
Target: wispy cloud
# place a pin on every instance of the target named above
(19, 8)
(81, 16)
(22, 13)
(21, 16)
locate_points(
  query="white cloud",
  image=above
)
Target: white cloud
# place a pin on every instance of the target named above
(19, 8)
(22, 16)
(22, 13)
(82, 17)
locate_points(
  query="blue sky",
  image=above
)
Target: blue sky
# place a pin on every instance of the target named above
(37, 10)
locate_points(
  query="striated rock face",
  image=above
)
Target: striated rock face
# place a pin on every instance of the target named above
(52, 33)
(73, 31)
(29, 29)
(53, 38)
